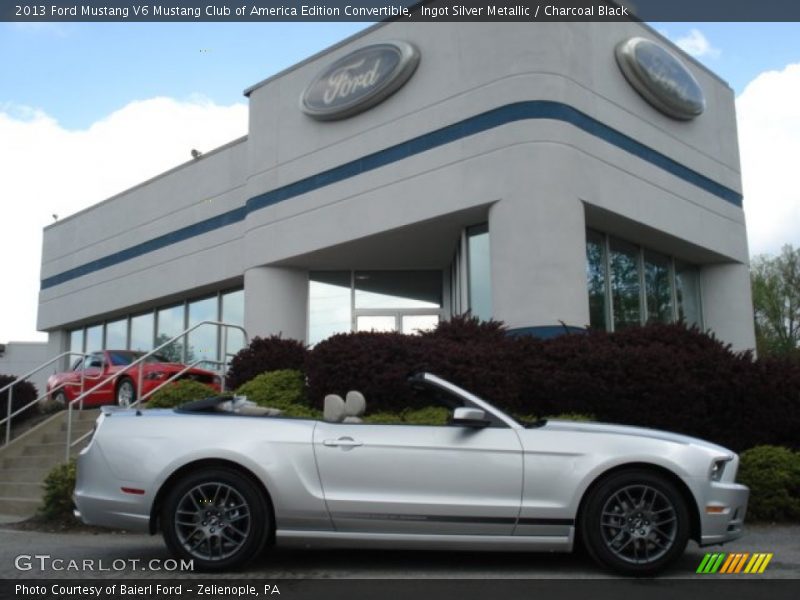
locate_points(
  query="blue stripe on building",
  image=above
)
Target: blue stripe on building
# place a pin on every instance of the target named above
(510, 113)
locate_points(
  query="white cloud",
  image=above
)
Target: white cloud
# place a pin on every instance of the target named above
(696, 44)
(768, 114)
(48, 170)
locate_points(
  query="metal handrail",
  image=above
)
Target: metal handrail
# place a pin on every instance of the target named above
(21, 378)
(141, 359)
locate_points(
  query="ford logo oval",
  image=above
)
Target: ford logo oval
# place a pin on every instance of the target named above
(359, 80)
(660, 78)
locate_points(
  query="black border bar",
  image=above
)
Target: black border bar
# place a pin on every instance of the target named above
(398, 10)
(419, 589)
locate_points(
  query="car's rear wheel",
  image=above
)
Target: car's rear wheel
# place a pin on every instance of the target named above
(125, 394)
(217, 518)
(635, 522)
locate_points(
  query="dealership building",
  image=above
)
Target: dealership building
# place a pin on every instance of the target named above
(550, 175)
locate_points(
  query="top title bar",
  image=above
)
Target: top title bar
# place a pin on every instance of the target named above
(376, 10)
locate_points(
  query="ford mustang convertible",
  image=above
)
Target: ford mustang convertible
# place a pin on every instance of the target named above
(221, 483)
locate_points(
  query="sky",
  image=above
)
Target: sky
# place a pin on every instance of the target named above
(90, 109)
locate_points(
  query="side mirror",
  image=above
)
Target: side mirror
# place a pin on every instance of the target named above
(469, 417)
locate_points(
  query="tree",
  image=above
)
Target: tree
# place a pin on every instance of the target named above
(776, 302)
(174, 352)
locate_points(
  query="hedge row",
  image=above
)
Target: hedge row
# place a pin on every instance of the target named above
(24, 392)
(662, 376)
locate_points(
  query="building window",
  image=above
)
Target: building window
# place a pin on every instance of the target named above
(625, 300)
(75, 343)
(330, 300)
(142, 329)
(202, 342)
(233, 313)
(687, 292)
(170, 322)
(658, 291)
(343, 301)
(117, 334)
(94, 338)
(596, 279)
(629, 285)
(480, 272)
(145, 331)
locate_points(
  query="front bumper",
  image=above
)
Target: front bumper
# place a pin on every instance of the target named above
(722, 513)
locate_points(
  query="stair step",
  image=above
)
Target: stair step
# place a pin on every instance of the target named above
(34, 462)
(32, 491)
(24, 474)
(20, 507)
(61, 435)
(52, 449)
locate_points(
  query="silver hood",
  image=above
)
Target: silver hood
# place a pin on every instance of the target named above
(655, 434)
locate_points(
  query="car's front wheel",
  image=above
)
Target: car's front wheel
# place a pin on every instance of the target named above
(126, 393)
(60, 399)
(216, 518)
(635, 522)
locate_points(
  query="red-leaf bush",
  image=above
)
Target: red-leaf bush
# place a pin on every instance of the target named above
(24, 392)
(264, 354)
(661, 376)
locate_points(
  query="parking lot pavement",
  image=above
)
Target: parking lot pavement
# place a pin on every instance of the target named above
(121, 555)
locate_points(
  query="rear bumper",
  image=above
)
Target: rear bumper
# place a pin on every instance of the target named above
(723, 512)
(100, 499)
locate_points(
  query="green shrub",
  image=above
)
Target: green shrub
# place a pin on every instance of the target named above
(58, 488)
(301, 411)
(281, 389)
(178, 393)
(773, 475)
(569, 416)
(383, 418)
(429, 415)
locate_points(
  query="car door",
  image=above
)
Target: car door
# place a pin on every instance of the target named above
(422, 479)
(94, 372)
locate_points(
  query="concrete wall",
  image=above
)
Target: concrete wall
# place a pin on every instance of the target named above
(538, 181)
(185, 196)
(21, 357)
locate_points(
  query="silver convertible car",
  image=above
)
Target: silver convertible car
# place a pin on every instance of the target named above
(222, 485)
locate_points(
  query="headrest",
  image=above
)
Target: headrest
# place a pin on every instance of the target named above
(333, 410)
(355, 405)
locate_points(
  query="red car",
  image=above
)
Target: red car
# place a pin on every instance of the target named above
(122, 390)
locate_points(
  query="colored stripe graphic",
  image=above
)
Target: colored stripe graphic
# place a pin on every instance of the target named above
(730, 564)
(482, 122)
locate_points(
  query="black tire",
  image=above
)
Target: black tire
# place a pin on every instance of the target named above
(125, 393)
(635, 522)
(217, 518)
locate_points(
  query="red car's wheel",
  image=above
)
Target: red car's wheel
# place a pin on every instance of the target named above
(60, 399)
(126, 393)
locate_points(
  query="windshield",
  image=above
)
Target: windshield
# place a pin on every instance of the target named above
(120, 358)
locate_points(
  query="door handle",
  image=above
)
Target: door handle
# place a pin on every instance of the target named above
(346, 442)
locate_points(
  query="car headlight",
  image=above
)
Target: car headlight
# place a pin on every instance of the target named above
(718, 468)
